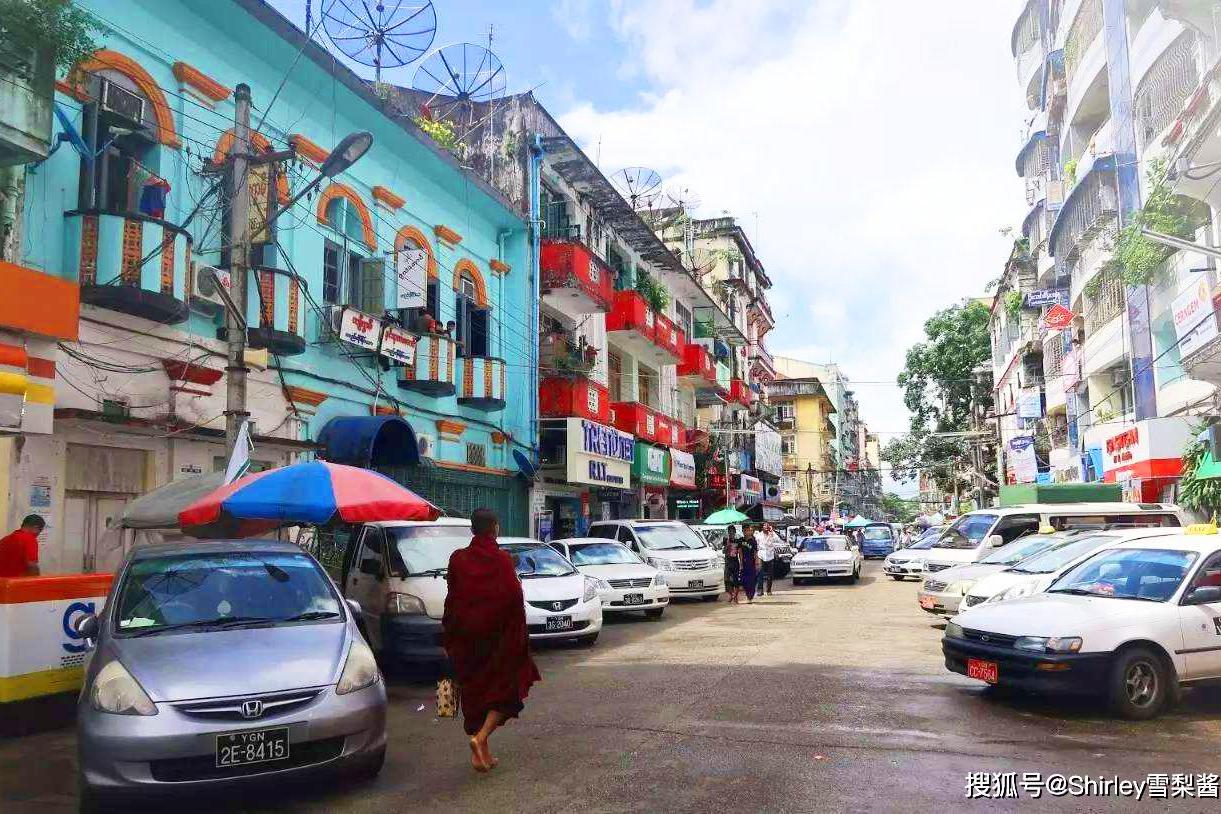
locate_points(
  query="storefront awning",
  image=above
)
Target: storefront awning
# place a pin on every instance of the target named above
(368, 441)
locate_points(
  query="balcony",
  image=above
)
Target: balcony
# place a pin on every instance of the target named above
(1026, 43)
(1091, 205)
(27, 91)
(634, 327)
(670, 339)
(483, 383)
(635, 419)
(696, 368)
(276, 311)
(1083, 32)
(740, 394)
(1169, 83)
(574, 281)
(574, 396)
(130, 263)
(763, 366)
(433, 372)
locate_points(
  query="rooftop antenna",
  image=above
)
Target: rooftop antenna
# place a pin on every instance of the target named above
(381, 33)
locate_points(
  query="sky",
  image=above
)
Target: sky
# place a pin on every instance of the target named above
(866, 146)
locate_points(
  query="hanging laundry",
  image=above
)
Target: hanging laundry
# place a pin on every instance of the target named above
(152, 197)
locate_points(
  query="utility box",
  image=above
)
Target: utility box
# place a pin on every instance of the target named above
(1024, 494)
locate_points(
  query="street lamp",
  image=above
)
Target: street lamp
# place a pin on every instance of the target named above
(346, 153)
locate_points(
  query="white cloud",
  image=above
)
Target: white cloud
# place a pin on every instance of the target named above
(576, 17)
(874, 138)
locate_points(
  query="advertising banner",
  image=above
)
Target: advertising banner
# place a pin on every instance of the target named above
(1022, 462)
(1030, 404)
(682, 469)
(1195, 318)
(599, 455)
(767, 451)
(411, 273)
(651, 465)
(398, 345)
(1046, 296)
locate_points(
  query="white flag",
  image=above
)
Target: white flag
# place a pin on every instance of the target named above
(239, 460)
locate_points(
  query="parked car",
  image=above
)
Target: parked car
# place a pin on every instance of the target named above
(1136, 621)
(908, 562)
(877, 540)
(561, 602)
(691, 566)
(222, 662)
(631, 585)
(1033, 575)
(715, 535)
(826, 557)
(942, 593)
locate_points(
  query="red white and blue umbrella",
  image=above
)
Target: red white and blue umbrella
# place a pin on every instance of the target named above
(316, 493)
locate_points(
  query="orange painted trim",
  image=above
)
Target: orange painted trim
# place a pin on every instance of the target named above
(338, 190)
(15, 590)
(69, 90)
(499, 266)
(447, 427)
(33, 301)
(465, 266)
(487, 470)
(308, 149)
(197, 79)
(41, 368)
(167, 134)
(498, 438)
(385, 196)
(385, 409)
(13, 356)
(421, 240)
(304, 395)
(447, 234)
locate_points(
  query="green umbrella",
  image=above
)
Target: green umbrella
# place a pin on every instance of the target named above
(725, 516)
(857, 522)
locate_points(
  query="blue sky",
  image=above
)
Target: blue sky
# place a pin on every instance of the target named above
(866, 146)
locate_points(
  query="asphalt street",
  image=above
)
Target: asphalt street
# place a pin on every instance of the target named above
(820, 698)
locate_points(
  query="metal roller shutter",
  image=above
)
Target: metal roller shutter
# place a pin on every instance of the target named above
(460, 493)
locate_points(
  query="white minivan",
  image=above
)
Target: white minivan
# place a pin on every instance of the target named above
(977, 533)
(690, 565)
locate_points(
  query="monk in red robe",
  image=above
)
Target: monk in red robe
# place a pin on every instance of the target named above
(485, 636)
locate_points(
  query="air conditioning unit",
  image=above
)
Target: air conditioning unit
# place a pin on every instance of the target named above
(120, 100)
(427, 446)
(206, 281)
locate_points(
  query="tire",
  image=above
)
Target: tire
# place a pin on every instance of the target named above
(1138, 684)
(587, 641)
(371, 767)
(896, 577)
(712, 598)
(654, 613)
(798, 581)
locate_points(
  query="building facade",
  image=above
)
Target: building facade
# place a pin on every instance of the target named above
(126, 251)
(1087, 350)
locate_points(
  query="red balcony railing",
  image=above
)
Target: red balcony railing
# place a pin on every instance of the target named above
(740, 392)
(631, 314)
(574, 397)
(670, 338)
(575, 278)
(696, 368)
(636, 419)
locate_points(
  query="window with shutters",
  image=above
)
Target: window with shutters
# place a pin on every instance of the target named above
(348, 277)
(476, 454)
(473, 321)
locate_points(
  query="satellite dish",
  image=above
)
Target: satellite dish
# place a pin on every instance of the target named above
(381, 33)
(639, 186)
(683, 197)
(457, 77)
(524, 464)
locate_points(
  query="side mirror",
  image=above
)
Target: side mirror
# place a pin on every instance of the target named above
(371, 567)
(1204, 595)
(993, 541)
(354, 607)
(86, 626)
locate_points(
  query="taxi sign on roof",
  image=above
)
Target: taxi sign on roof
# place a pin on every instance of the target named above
(1202, 528)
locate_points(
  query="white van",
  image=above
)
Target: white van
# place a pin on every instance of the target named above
(976, 533)
(691, 566)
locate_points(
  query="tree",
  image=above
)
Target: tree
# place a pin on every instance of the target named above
(48, 24)
(944, 394)
(903, 510)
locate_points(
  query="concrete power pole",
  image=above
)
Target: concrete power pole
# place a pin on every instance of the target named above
(810, 492)
(239, 260)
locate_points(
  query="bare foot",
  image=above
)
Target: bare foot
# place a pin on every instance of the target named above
(485, 753)
(477, 760)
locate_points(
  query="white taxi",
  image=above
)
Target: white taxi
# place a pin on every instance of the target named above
(561, 602)
(908, 562)
(826, 556)
(1136, 621)
(630, 585)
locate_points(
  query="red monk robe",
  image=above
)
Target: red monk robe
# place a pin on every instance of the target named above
(485, 632)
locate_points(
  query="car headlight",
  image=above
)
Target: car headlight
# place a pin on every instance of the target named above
(953, 630)
(960, 587)
(359, 671)
(116, 691)
(660, 564)
(1016, 592)
(591, 589)
(1052, 644)
(659, 579)
(404, 604)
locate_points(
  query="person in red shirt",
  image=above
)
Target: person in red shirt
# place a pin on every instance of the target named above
(19, 550)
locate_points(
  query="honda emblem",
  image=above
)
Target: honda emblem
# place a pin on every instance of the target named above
(252, 709)
(558, 606)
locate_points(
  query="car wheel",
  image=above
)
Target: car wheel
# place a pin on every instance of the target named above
(654, 613)
(371, 766)
(712, 598)
(1138, 684)
(587, 641)
(797, 581)
(896, 577)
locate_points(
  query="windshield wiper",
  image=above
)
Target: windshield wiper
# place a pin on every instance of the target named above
(1074, 592)
(431, 572)
(308, 616)
(220, 622)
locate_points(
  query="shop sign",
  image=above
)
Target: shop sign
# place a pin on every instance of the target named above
(1030, 404)
(1058, 317)
(752, 487)
(1022, 463)
(1046, 296)
(1146, 449)
(1195, 319)
(651, 465)
(682, 470)
(1122, 448)
(598, 455)
(398, 345)
(411, 272)
(767, 451)
(359, 329)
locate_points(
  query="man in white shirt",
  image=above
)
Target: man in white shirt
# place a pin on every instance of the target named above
(768, 542)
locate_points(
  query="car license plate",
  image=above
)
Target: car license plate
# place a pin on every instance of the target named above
(258, 746)
(559, 623)
(983, 670)
(818, 572)
(633, 599)
(695, 583)
(927, 602)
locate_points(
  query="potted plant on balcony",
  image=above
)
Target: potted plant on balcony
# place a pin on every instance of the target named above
(653, 292)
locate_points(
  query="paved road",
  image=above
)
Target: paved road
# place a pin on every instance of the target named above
(821, 698)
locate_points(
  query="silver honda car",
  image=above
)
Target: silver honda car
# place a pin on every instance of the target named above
(223, 661)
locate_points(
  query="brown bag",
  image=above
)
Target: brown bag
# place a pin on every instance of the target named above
(447, 698)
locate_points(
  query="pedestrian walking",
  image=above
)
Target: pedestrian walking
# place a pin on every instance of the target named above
(19, 550)
(769, 541)
(748, 548)
(485, 636)
(733, 565)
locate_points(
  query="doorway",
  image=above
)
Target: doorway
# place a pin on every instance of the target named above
(87, 518)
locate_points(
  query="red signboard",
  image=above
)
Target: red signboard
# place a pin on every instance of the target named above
(1058, 317)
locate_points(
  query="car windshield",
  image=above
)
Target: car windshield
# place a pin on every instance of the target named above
(1148, 574)
(533, 560)
(715, 536)
(1020, 550)
(966, 532)
(217, 590)
(877, 533)
(425, 550)
(673, 537)
(601, 554)
(823, 544)
(1061, 554)
(924, 544)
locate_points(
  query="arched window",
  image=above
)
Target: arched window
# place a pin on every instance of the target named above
(474, 316)
(124, 131)
(349, 275)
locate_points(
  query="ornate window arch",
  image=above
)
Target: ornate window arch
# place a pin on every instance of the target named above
(465, 270)
(411, 235)
(103, 59)
(325, 211)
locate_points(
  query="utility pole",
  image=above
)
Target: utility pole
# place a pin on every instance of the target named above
(239, 261)
(810, 492)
